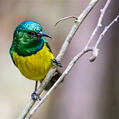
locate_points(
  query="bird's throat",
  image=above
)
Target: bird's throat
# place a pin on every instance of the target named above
(27, 50)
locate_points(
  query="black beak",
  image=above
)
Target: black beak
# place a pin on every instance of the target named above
(43, 34)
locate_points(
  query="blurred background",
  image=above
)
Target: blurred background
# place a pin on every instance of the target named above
(91, 90)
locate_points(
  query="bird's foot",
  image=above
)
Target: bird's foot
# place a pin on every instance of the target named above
(56, 63)
(35, 96)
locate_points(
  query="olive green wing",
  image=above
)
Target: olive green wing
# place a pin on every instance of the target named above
(48, 46)
(11, 54)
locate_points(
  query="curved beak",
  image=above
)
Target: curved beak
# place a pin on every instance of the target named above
(41, 33)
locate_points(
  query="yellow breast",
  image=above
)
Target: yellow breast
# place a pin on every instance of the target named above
(36, 66)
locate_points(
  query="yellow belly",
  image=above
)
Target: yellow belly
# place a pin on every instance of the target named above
(36, 66)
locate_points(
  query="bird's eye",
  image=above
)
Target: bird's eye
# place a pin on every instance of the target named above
(32, 33)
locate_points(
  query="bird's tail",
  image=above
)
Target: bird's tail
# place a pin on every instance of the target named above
(53, 80)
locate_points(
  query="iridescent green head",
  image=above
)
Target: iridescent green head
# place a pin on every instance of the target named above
(28, 38)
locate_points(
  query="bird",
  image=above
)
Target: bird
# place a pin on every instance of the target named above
(32, 55)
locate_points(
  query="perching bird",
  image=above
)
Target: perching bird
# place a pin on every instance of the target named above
(31, 53)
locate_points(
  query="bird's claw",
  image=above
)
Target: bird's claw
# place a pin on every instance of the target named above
(56, 63)
(35, 96)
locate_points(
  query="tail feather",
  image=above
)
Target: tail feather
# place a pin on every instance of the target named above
(53, 80)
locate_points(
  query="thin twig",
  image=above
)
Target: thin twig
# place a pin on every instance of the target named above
(99, 24)
(59, 56)
(69, 67)
(105, 30)
(65, 18)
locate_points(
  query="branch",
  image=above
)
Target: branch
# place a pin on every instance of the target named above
(75, 28)
(79, 55)
(99, 24)
(105, 30)
(59, 56)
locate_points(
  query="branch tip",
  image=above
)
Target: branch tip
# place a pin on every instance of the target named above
(94, 55)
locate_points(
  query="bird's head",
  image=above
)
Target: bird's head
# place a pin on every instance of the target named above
(28, 37)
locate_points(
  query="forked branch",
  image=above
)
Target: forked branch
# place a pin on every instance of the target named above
(25, 113)
(79, 55)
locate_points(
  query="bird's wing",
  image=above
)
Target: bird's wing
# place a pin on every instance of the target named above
(11, 54)
(48, 45)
